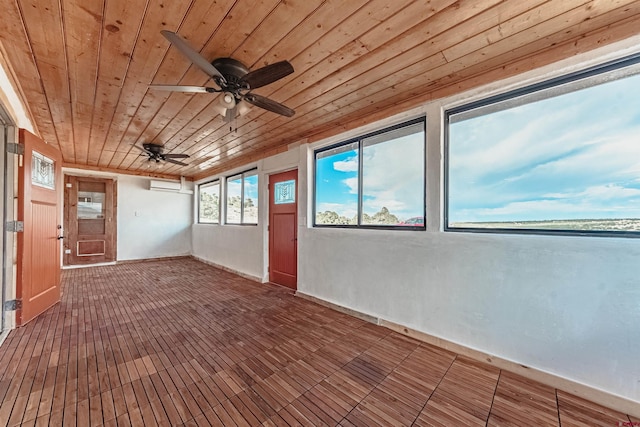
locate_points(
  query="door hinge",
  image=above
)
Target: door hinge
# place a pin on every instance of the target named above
(15, 148)
(14, 226)
(13, 305)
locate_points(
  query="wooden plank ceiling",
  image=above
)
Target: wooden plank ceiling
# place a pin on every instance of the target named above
(84, 66)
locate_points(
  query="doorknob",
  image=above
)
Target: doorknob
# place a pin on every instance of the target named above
(60, 237)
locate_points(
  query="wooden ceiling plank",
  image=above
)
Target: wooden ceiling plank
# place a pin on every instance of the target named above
(303, 35)
(20, 57)
(273, 28)
(147, 55)
(82, 26)
(56, 87)
(322, 21)
(540, 48)
(239, 23)
(375, 17)
(348, 100)
(107, 95)
(450, 15)
(197, 121)
(587, 35)
(285, 17)
(43, 23)
(348, 30)
(254, 15)
(505, 28)
(122, 22)
(174, 67)
(352, 66)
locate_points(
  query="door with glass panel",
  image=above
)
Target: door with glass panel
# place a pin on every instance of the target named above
(283, 229)
(90, 220)
(38, 261)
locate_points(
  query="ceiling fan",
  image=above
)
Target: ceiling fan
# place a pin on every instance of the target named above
(234, 80)
(154, 152)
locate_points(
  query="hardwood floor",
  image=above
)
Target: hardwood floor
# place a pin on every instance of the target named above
(178, 342)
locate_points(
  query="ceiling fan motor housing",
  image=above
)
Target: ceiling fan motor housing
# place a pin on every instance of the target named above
(233, 71)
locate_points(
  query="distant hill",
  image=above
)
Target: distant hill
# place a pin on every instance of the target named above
(626, 224)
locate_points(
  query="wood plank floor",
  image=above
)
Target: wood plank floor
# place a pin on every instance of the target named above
(178, 342)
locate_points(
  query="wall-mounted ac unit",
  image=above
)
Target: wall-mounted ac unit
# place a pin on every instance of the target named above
(158, 185)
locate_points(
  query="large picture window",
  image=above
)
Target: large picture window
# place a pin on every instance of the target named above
(376, 180)
(563, 156)
(209, 203)
(242, 198)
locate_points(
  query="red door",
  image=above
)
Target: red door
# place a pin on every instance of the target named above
(39, 196)
(283, 229)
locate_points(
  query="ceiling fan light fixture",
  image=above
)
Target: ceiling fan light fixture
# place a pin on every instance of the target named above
(227, 100)
(243, 108)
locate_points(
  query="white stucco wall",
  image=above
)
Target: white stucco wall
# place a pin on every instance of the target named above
(238, 247)
(566, 305)
(152, 224)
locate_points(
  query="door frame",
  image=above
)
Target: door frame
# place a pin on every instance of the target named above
(66, 220)
(267, 204)
(8, 135)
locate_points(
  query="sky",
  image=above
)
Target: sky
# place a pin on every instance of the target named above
(393, 177)
(575, 156)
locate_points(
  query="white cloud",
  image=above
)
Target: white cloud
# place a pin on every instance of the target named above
(582, 152)
(394, 177)
(348, 165)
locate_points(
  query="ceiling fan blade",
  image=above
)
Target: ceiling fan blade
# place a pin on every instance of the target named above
(145, 151)
(176, 88)
(176, 162)
(192, 55)
(269, 74)
(175, 156)
(268, 104)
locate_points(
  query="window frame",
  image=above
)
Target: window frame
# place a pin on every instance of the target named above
(206, 185)
(359, 139)
(566, 83)
(242, 175)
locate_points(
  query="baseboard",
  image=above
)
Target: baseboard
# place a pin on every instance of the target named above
(601, 397)
(98, 264)
(230, 270)
(336, 307)
(164, 258)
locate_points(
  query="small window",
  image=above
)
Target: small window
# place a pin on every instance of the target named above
(209, 203)
(242, 198)
(559, 157)
(375, 181)
(284, 192)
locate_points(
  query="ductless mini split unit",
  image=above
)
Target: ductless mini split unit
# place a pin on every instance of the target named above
(158, 185)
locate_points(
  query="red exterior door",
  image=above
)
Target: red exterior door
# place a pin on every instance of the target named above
(283, 228)
(39, 196)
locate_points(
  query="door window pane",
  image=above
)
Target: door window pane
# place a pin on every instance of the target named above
(284, 192)
(42, 171)
(91, 197)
